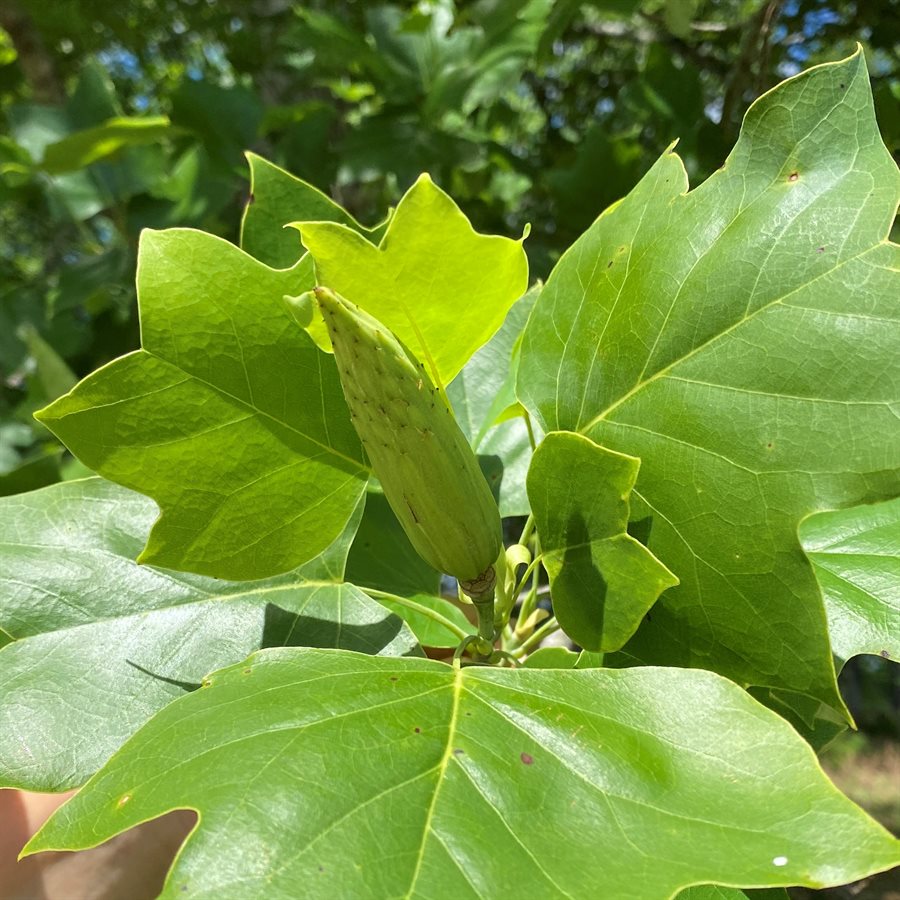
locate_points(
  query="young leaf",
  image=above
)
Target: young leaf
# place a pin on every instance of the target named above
(474, 782)
(99, 644)
(742, 341)
(442, 288)
(602, 580)
(856, 556)
(278, 198)
(229, 417)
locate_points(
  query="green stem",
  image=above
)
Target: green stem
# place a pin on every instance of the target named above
(527, 530)
(548, 628)
(530, 431)
(521, 585)
(530, 601)
(484, 610)
(432, 614)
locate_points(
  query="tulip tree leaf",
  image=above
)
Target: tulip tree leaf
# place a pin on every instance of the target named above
(480, 393)
(99, 643)
(442, 288)
(856, 556)
(741, 340)
(278, 198)
(444, 771)
(383, 557)
(602, 580)
(229, 417)
(429, 631)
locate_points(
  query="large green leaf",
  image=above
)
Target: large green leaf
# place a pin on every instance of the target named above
(99, 643)
(856, 556)
(743, 341)
(442, 288)
(602, 580)
(277, 198)
(229, 417)
(357, 776)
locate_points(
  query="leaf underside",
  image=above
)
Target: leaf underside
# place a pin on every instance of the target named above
(98, 644)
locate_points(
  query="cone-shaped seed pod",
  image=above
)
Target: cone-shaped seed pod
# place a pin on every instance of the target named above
(426, 467)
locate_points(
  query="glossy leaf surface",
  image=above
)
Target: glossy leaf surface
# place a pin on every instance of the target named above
(856, 556)
(419, 280)
(99, 643)
(602, 580)
(452, 780)
(229, 417)
(742, 340)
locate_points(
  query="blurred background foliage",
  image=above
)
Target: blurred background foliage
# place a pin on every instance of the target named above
(120, 116)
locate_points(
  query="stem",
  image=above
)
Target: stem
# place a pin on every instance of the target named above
(527, 530)
(432, 614)
(548, 628)
(530, 601)
(530, 430)
(521, 585)
(484, 609)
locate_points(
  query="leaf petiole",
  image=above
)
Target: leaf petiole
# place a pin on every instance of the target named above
(420, 608)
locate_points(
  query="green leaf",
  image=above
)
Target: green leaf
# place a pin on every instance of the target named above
(277, 198)
(81, 148)
(602, 580)
(443, 772)
(430, 630)
(31, 474)
(856, 556)
(99, 642)
(383, 560)
(229, 417)
(439, 286)
(480, 394)
(382, 556)
(53, 373)
(742, 341)
(713, 892)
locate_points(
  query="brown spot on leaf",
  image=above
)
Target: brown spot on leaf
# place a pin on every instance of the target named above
(793, 176)
(526, 758)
